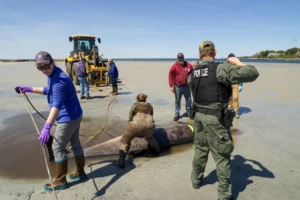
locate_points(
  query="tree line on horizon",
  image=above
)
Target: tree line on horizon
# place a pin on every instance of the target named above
(289, 53)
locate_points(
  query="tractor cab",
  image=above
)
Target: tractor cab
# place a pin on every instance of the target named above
(82, 44)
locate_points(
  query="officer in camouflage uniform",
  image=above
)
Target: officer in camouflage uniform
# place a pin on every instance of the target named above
(210, 83)
(141, 125)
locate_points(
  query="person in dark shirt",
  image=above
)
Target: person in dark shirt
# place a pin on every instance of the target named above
(114, 74)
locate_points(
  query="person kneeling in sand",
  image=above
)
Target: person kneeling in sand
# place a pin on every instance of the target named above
(141, 125)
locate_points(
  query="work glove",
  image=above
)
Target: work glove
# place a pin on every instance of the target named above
(240, 87)
(45, 134)
(24, 89)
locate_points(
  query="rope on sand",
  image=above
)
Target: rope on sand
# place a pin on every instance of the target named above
(44, 151)
(102, 128)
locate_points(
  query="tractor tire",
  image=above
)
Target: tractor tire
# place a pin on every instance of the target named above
(91, 78)
(69, 70)
(75, 79)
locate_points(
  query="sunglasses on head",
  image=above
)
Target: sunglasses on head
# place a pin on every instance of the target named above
(41, 68)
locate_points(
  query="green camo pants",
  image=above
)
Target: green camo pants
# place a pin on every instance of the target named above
(208, 134)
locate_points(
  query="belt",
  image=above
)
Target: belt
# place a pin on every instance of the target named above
(207, 111)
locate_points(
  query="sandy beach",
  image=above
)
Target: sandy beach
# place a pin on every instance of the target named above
(265, 161)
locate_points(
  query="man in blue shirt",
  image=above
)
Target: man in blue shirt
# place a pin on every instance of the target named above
(114, 74)
(65, 109)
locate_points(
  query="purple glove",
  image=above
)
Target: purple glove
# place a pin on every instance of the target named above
(24, 89)
(45, 134)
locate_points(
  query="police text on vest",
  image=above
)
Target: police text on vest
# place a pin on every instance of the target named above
(203, 72)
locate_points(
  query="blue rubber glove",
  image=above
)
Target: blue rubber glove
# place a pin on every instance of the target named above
(45, 134)
(240, 87)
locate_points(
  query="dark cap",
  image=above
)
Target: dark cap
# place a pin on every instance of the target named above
(43, 57)
(180, 55)
(231, 55)
(206, 46)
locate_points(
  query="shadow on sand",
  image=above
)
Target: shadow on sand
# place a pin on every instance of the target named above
(244, 110)
(240, 174)
(105, 171)
(124, 93)
(99, 97)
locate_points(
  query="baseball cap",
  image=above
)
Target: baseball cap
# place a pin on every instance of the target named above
(231, 55)
(43, 57)
(179, 55)
(206, 46)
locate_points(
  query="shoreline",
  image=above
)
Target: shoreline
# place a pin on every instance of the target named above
(161, 59)
(242, 58)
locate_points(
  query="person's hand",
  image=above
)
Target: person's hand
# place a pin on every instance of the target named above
(45, 133)
(172, 89)
(24, 89)
(235, 61)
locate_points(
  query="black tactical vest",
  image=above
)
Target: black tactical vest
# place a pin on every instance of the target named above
(205, 86)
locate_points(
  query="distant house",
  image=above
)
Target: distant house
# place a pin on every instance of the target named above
(273, 54)
(297, 55)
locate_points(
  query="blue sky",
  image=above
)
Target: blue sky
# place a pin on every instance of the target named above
(148, 28)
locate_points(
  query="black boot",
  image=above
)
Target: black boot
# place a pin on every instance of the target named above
(49, 147)
(151, 152)
(113, 90)
(121, 162)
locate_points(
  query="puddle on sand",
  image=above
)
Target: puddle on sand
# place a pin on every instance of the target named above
(177, 149)
(21, 154)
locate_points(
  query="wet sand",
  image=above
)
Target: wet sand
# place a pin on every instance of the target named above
(265, 162)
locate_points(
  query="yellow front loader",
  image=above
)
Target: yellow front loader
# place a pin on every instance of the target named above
(85, 46)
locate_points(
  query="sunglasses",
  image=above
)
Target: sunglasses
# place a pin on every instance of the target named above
(180, 57)
(41, 68)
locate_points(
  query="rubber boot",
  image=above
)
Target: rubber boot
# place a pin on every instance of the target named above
(113, 91)
(116, 92)
(151, 152)
(80, 173)
(121, 162)
(60, 182)
(49, 147)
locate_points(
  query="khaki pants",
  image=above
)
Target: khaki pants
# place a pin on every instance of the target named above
(234, 99)
(138, 129)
